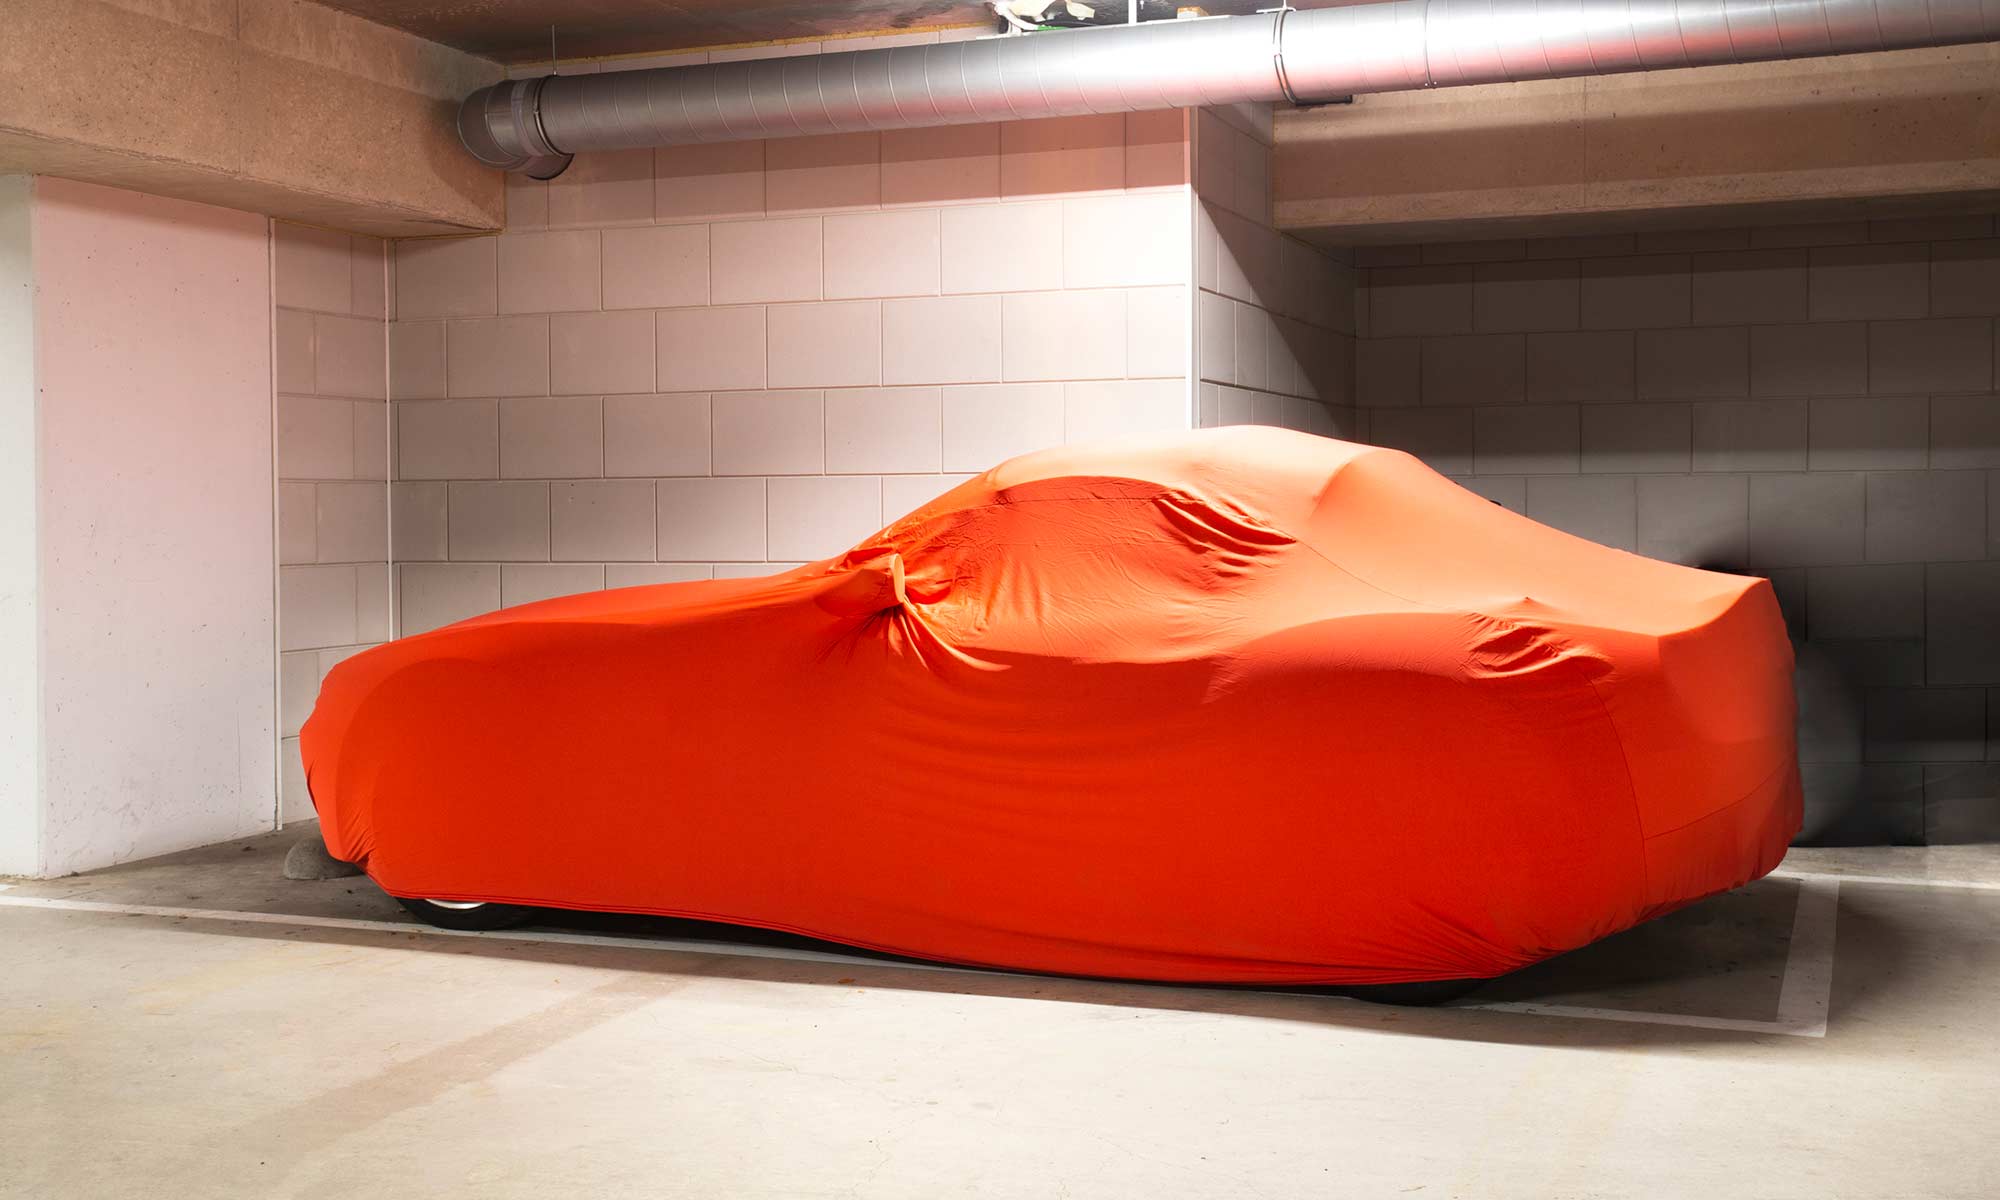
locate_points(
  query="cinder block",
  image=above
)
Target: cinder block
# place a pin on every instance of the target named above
(1857, 804)
(1872, 662)
(986, 425)
(656, 435)
(1675, 241)
(311, 268)
(1112, 408)
(1649, 291)
(1581, 368)
(1831, 707)
(1474, 369)
(1696, 520)
(719, 520)
(1441, 437)
(292, 351)
(1965, 431)
(447, 277)
(298, 522)
(945, 164)
(1253, 335)
(1156, 332)
(656, 266)
(818, 516)
(1156, 149)
(298, 689)
(1757, 435)
(1865, 602)
(435, 594)
(1003, 247)
(448, 439)
(1805, 520)
(501, 356)
(544, 437)
(872, 431)
(551, 272)
(704, 181)
(1827, 359)
(1929, 229)
(371, 441)
(525, 583)
(316, 607)
(353, 523)
(1927, 516)
(1602, 508)
(766, 433)
(1540, 439)
(417, 522)
(755, 262)
(1483, 251)
(1961, 804)
(601, 352)
(949, 339)
(374, 603)
(498, 522)
(1062, 155)
(315, 438)
(602, 521)
(836, 344)
(703, 349)
(1420, 300)
(895, 253)
(1061, 335)
(1526, 297)
(1215, 337)
(1749, 287)
(1945, 355)
(607, 187)
(349, 358)
(1965, 278)
(1386, 372)
(1133, 240)
(1875, 282)
(416, 360)
(1246, 260)
(1961, 626)
(1859, 433)
(1635, 438)
(1926, 724)
(1834, 233)
(1694, 364)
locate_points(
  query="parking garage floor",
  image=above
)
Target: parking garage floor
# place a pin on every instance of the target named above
(198, 1026)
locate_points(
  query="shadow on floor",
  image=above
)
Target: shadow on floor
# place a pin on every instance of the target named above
(1724, 957)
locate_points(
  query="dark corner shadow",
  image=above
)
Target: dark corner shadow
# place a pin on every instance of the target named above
(1667, 950)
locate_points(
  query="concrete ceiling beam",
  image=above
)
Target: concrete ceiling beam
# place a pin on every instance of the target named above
(1905, 132)
(274, 106)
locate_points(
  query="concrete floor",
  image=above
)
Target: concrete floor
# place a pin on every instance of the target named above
(196, 1026)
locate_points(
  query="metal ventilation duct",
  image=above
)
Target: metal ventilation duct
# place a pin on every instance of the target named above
(1303, 56)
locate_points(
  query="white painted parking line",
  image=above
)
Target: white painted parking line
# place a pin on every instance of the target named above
(1803, 994)
(1896, 880)
(1802, 998)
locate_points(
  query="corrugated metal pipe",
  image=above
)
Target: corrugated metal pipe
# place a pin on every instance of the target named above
(1300, 55)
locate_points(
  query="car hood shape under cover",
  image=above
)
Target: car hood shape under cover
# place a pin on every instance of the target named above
(1237, 705)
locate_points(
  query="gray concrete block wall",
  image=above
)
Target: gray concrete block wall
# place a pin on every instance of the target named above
(1816, 404)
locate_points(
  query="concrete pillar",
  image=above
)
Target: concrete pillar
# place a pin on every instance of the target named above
(137, 547)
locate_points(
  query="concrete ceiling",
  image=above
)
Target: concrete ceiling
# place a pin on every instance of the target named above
(513, 31)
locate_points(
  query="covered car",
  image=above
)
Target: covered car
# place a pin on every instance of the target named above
(1235, 706)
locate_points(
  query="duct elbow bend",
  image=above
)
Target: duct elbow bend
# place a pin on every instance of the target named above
(501, 126)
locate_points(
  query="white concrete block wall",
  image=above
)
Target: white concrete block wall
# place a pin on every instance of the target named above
(332, 380)
(1817, 404)
(724, 360)
(1274, 317)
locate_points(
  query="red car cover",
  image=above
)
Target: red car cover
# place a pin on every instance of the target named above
(1237, 705)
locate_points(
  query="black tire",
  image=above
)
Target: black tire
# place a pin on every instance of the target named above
(1413, 995)
(485, 917)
